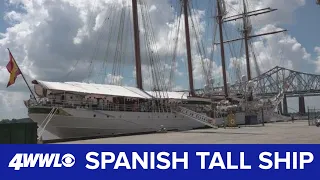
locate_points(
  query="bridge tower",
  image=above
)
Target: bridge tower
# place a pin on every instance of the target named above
(302, 106)
(280, 108)
(285, 105)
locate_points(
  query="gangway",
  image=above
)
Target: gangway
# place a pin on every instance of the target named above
(46, 121)
(203, 119)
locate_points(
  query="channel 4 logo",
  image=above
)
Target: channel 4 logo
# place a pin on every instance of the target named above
(41, 160)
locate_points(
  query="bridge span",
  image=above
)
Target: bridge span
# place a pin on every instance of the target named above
(269, 84)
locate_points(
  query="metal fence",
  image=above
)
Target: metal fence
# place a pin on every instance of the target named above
(313, 115)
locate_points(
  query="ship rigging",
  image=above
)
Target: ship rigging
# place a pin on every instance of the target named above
(73, 109)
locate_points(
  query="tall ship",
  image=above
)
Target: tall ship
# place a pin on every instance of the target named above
(84, 109)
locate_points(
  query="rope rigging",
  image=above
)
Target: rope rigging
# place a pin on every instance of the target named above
(78, 60)
(96, 50)
(117, 60)
(110, 35)
(156, 66)
(200, 47)
(174, 52)
(205, 59)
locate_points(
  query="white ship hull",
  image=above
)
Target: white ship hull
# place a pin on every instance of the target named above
(88, 123)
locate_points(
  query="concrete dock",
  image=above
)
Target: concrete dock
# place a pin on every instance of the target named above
(298, 132)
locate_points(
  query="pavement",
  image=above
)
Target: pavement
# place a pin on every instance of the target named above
(298, 132)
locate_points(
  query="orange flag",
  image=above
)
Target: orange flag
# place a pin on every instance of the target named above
(13, 69)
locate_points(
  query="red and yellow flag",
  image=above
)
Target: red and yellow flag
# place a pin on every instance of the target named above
(13, 69)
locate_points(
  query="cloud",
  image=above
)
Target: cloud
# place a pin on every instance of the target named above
(283, 15)
(72, 40)
(317, 51)
(282, 50)
(273, 50)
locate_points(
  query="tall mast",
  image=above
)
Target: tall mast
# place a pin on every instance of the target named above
(223, 59)
(137, 44)
(246, 39)
(245, 16)
(190, 69)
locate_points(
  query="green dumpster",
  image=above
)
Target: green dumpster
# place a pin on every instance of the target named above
(22, 131)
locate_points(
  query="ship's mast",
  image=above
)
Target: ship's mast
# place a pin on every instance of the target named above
(246, 27)
(245, 16)
(223, 59)
(190, 69)
(137, 43)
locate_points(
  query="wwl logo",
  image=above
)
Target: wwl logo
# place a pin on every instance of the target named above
(47, 160)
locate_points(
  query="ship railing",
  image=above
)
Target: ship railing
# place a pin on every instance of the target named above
(109, 106)
(104, 106)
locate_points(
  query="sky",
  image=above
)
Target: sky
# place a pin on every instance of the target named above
(56, 40)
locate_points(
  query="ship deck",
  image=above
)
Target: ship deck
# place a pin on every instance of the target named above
(298, 132)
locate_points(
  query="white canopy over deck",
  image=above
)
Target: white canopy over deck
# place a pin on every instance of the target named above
(90, 88)
(105, 89)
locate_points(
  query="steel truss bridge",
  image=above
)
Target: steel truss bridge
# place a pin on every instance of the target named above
(269, 84)
(293, 83)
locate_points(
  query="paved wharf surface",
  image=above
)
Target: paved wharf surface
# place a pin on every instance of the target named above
(298, 132)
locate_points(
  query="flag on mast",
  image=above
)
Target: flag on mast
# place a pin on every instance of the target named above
(13, 69)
